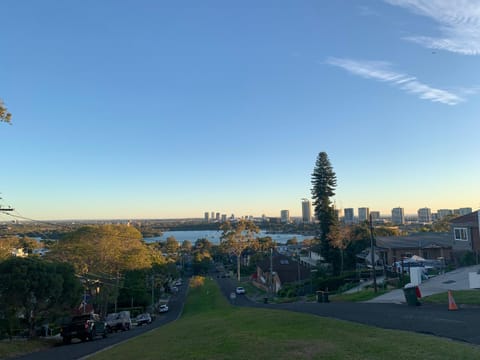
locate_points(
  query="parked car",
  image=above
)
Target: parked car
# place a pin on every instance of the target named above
(83, 327)
(119, 321)
(178, 283)
(143, 319)
(163, 308)
(240, 290)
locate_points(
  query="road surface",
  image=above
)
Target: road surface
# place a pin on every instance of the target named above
(79, 350)
(461, 325)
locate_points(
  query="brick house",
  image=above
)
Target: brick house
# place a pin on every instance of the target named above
(465, 234)
(285, 270)
(430, 246)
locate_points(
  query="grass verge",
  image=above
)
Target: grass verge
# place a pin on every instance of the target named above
(212, 329)
(17, 347)
(363, 295)
(464, 297)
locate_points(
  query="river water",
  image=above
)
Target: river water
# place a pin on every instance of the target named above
(214, 236)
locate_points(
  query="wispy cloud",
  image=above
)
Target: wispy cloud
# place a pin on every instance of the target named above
(459, 24)
(380, 70)
(366, 11)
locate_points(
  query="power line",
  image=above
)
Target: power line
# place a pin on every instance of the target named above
(68, 227)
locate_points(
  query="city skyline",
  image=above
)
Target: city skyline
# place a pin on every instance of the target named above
(154, 110)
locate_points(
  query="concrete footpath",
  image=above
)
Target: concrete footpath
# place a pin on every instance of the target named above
(453, 280)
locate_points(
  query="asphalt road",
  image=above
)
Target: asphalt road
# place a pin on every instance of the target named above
(79, 350)
(461, 325)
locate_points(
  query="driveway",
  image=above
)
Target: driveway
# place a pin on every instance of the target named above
(453, 280)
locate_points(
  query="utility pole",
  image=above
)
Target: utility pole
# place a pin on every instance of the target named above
(271, 271)
(372, 252)
(153, 290)
(117, 289)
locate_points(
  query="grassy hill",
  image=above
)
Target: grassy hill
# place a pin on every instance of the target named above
(210, 328)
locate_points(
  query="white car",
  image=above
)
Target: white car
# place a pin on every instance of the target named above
(163, 308)
(240, 290)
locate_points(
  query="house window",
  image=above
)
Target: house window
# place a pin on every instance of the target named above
(460, 234)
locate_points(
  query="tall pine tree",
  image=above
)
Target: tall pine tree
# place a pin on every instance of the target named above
(324, 182)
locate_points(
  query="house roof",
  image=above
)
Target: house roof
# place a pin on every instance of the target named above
(422, 240)
(286, 268)
(469, 219)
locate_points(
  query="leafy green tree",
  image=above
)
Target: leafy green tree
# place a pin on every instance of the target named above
(202, 260)
(236, 237)
(202, 256)
(324, 182)
(264, 244)
(203, 244)
(5, 116)
(108, 249)
(34, 289)
(339, 237)
(7, 245)
(359, 241)
(443, 224)
(186, 246)
(292, 241)
(135, 291)
(171, 246)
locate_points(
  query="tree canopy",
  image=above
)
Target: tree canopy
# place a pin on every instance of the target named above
(34, 289)
(171, 246)
(237, 237)
(106, 249)
(5, 116)
(324, 181)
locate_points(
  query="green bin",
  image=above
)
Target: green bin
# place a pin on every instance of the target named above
(411, 296)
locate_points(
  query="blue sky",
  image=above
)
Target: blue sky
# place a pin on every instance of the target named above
(156, 109)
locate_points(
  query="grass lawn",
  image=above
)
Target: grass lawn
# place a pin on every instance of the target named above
(14, 348)
(363, 295)
(210, 328)
(465, 297)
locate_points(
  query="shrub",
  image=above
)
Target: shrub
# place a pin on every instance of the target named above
(197, 281)
(468, 259)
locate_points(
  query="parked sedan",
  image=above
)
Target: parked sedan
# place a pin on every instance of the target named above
(163, 308)
(143, 319)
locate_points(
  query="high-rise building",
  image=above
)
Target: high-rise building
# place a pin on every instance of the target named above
(464, 211)
(224, 217)
(348, 216)
(424, 215)
(306, 211)
(337, 213)
(217, 216)
(398, 216)
(363, 214)
(443, 212)
(375, 215)
(206, 216)
(285, 216)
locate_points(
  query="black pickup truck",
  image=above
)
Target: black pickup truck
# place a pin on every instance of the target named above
(83, 327)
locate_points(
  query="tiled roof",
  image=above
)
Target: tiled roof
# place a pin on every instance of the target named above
(423, 240)
(286, 268)
(471, 218)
